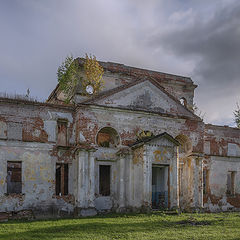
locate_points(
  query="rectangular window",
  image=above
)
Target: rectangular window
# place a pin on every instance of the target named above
(104, 180)
(62, 133)
(14, 177)
(205, 181)
(231, 182)
(61, 179)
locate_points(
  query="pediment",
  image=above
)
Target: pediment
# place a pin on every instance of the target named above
(163, 139)
(161, 149)
(143, 96)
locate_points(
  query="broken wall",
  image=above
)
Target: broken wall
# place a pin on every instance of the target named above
(222, 168)
(28, 134)
(91, 119)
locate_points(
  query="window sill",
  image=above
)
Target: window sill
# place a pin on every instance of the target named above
(63, 147)
(15, 195)
(67, 198)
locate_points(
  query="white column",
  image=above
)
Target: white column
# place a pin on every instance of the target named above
(198, 184)
(86, 180)
(81, 178)
(147, 169)
(173, 187)
(129, 192)
(91, 178)
(122, 181)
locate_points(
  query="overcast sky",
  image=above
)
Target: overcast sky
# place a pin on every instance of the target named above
(199, 39)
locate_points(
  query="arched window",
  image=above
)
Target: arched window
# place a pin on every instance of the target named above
(107, 137)
(185, 144)
(183, 101)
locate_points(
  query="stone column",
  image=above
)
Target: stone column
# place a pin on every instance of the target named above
(122, 181)
(129, 192)
(198, 182)
(147, 175)
(91, 178)
(200, 186)
(81, 179)
(174, 187)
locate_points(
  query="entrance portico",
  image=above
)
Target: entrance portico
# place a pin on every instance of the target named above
(159, 160)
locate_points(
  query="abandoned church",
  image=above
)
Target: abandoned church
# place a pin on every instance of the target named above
(135, 146)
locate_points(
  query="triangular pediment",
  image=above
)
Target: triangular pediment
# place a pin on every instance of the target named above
(161, 148)
(143, 95)
(163, 139)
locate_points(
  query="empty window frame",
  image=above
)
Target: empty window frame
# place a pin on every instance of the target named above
(205, 181)
(62, 132)
(61, 179)
(14, 177)
(231, 182)
(104, 180)
(183, 101)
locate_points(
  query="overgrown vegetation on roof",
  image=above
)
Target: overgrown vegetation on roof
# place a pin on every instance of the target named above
(69, 76)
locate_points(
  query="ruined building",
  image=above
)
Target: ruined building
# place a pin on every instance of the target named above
(81, 159)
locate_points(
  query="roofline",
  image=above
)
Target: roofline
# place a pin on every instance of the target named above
(221, 126)
(103, 64)
(35, 103)
(110, 92)
(146, 140)
(54, 91)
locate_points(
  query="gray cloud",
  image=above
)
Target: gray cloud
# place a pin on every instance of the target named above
(187, 37)
(212, 43)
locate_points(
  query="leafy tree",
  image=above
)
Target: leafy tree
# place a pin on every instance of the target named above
(94, 72)
(237, 116)
(67, 75)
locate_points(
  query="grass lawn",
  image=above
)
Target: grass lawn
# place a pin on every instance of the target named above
(138, 226)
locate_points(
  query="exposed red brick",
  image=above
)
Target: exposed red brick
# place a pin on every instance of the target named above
(29, 126)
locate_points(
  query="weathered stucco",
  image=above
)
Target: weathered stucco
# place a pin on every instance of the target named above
(221, 157)
(192, 163)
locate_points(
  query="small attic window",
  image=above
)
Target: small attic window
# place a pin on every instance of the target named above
(183, 101)
(107, 137)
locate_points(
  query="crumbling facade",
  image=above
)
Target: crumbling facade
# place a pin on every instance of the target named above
(87, 157)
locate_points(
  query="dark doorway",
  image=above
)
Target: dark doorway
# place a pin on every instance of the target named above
(104, 180)
(159, 187)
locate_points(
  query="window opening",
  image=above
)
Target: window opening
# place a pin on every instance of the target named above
(231, 182)
(183, 101)
(62, 133)
(104, 180)
(205, 181)
(14, 177)
(61, 179)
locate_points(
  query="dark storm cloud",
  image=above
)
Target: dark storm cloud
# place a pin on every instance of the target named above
(212, 44)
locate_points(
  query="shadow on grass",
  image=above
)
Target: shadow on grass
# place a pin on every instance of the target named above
(96, 230)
